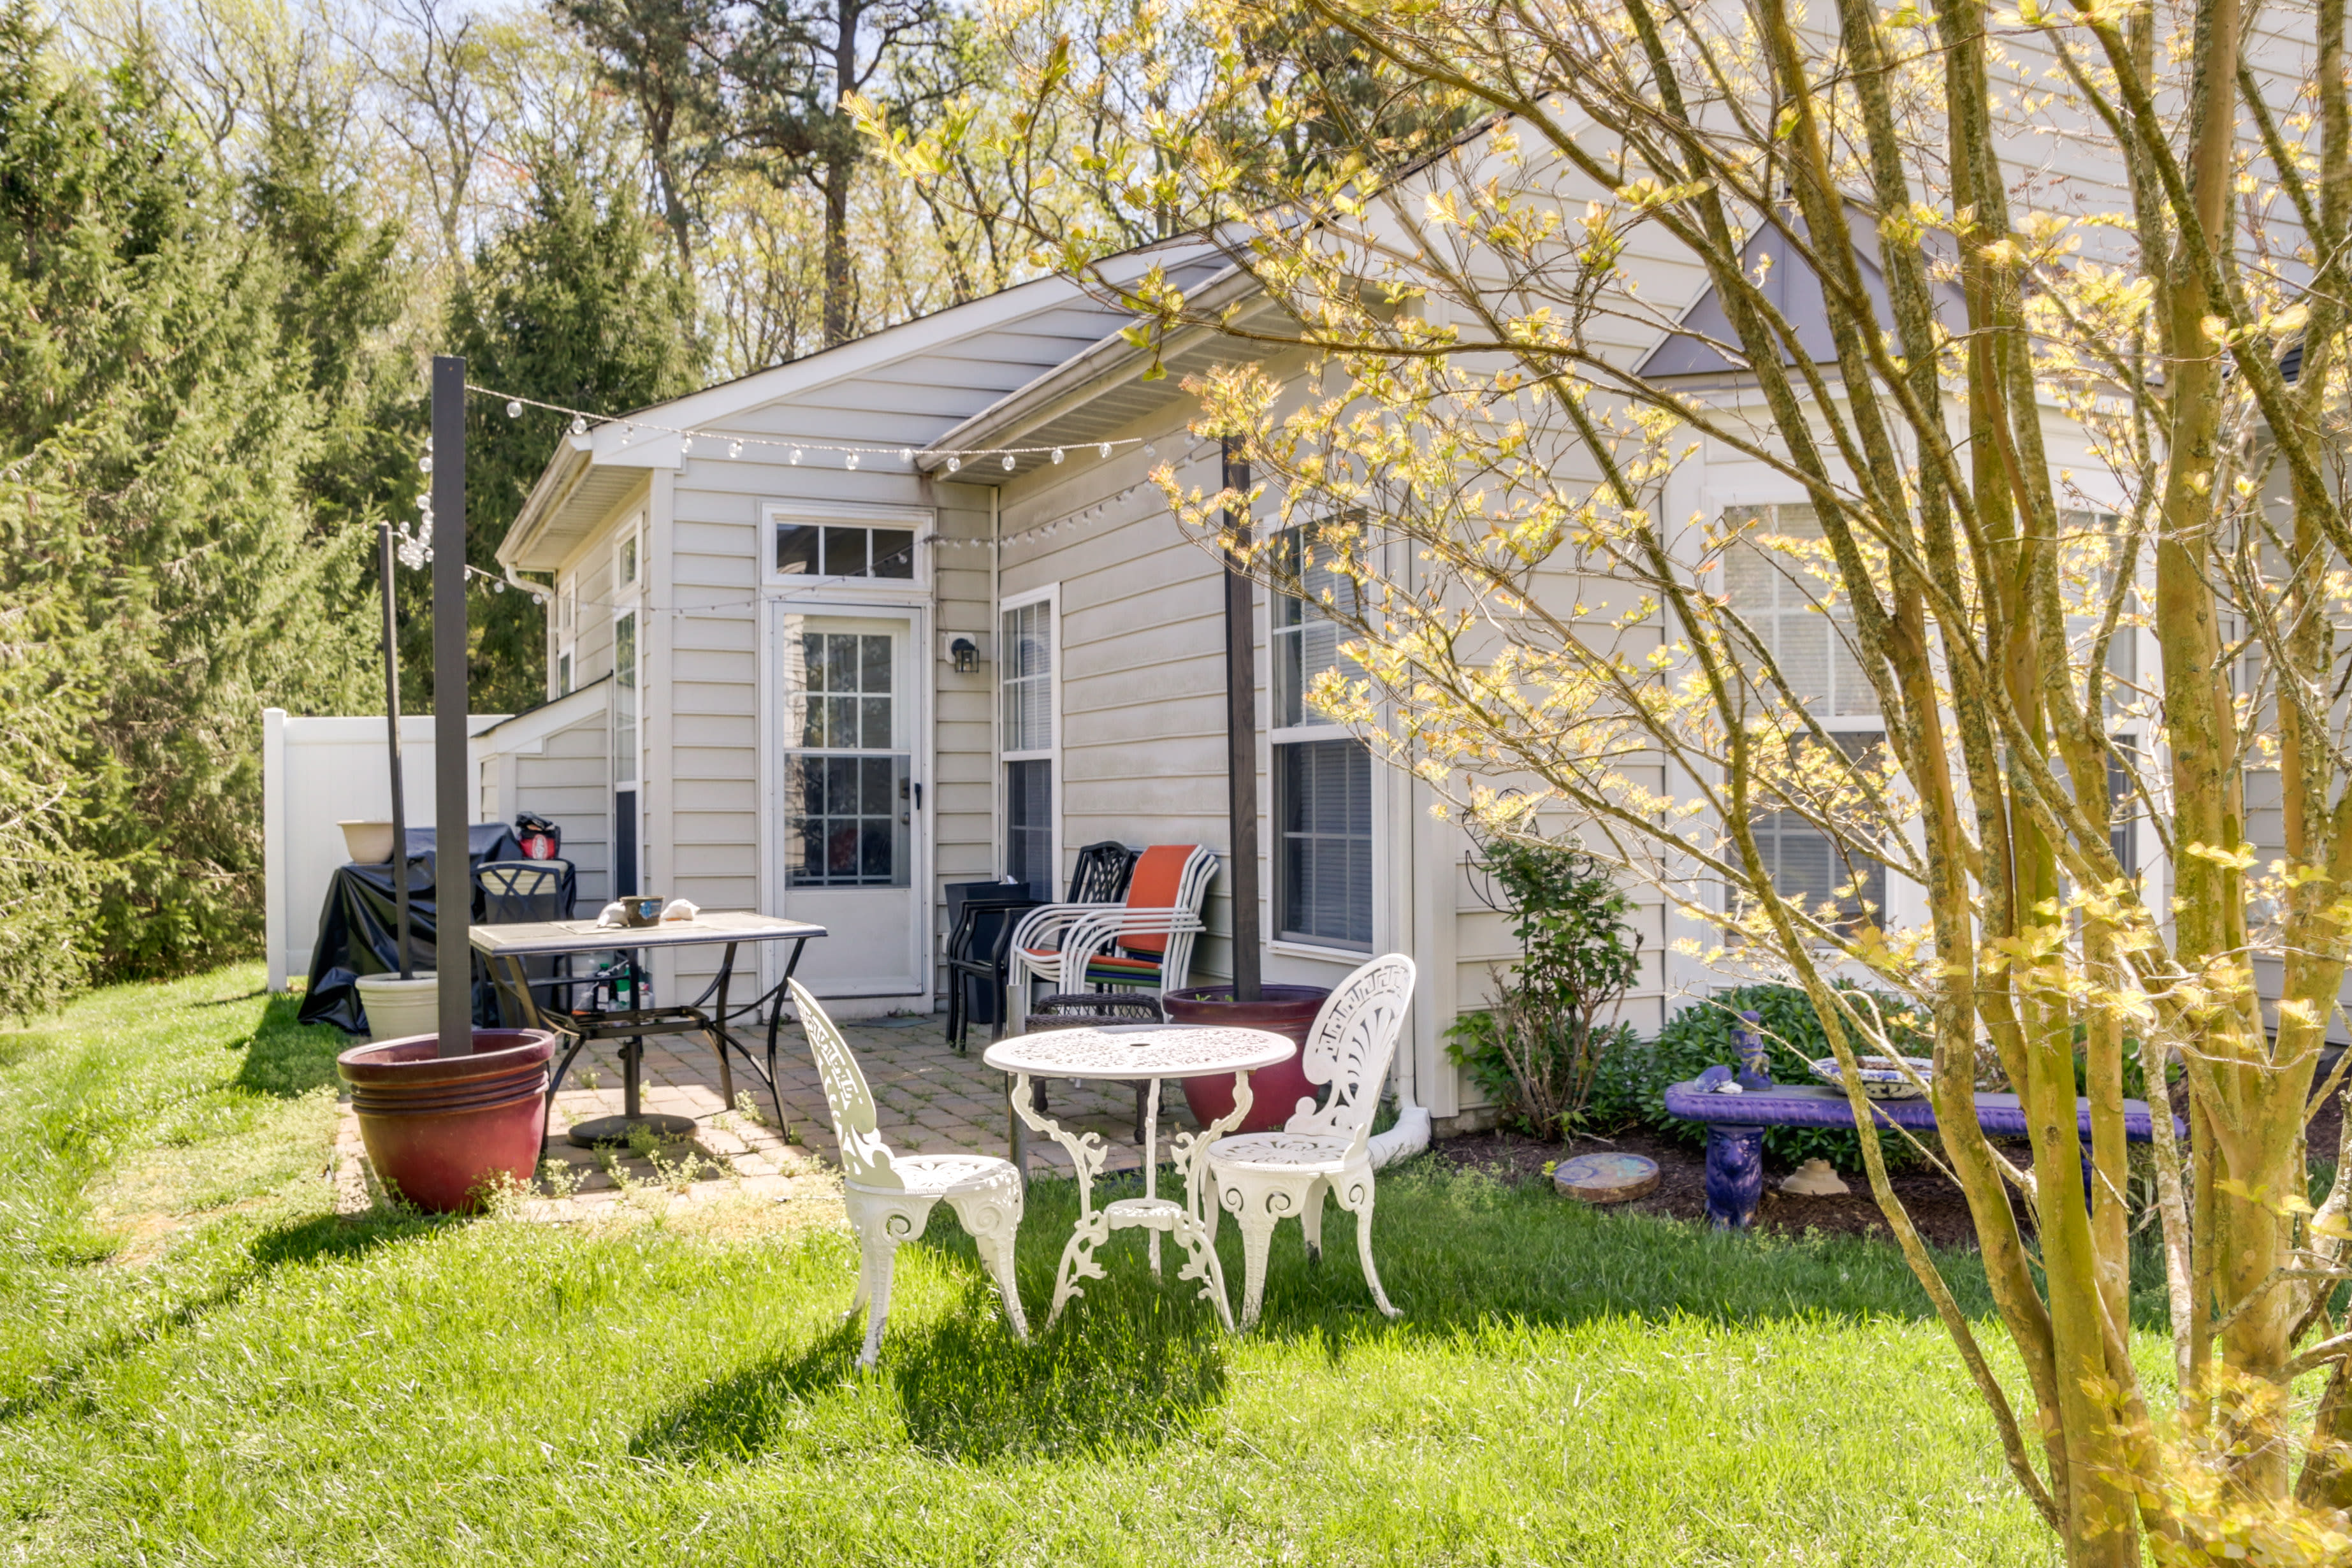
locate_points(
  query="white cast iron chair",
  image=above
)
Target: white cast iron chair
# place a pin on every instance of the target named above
(889, 1195)
(1263, 1178)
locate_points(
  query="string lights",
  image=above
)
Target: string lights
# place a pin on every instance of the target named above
(849, 452)
(414, 541)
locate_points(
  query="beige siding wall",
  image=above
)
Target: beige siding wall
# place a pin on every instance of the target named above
(705, 687)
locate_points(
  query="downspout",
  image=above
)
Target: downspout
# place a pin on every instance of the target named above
(1410, 1136)
(995, 702)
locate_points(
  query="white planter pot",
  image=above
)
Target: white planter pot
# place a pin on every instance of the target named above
(367, 842)
(398, 1008)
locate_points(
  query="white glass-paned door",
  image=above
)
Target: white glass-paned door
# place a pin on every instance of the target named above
(849, 799)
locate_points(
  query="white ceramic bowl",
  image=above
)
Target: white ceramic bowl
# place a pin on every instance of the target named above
(1881, 1079)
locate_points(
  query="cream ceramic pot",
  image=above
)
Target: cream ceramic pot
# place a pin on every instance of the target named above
(398, 1008)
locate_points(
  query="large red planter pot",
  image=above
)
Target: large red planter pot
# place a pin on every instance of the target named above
(1275, 1092)
(441, 1132)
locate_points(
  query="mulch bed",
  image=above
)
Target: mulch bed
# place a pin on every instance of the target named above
(1935, 1204)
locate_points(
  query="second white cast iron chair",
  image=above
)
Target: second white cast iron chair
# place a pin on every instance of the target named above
(1264, 1178)
(890, 1196)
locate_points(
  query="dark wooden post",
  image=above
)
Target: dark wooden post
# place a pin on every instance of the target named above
(391, 742)
(453, 881)
(1241, 738)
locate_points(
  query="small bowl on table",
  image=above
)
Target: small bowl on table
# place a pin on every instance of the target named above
(1882, 1079)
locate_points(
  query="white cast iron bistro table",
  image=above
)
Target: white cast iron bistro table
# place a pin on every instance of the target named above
(1153, 1051)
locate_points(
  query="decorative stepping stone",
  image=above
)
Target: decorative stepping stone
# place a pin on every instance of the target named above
(1606, 1178)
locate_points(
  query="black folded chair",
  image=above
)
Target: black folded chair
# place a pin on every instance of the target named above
(514, 892)
(976, 955)
(979, 948)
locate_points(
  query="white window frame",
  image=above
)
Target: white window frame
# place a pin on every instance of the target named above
(921, 521)
(1312, 729)
(629, 547)
(637, 684)
(1900, 894)
(1049, 595)
(567, 635)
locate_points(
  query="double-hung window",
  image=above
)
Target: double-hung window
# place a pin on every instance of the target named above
(1322, 775)
(1026, 673)
(1781, 598)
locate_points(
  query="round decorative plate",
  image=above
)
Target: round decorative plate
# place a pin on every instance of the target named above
(1606, 1178)
(1881, 1079)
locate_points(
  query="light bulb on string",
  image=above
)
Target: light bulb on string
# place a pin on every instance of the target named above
(514, 409)
(1008, 462)
(851, 462)
(1057, 454)
(685, 446)
(734, 448)
(906, 454)
(1104, 449)
(579, 425)
(424, 464)
(954, 463)
(796, 457)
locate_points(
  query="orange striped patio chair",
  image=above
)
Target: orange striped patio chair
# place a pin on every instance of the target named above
(1145, 943)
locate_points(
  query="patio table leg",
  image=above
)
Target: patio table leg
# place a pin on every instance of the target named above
(719, 1032)
(1735, 1176)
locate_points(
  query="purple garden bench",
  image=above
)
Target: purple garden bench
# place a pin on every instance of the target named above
(1736, 1123)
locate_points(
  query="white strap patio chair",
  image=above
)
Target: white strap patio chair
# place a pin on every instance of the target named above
(1263, 1178)
(1144, 943)
(890, 1196)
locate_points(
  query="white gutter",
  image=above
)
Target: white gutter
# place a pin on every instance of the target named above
(1411, 1134)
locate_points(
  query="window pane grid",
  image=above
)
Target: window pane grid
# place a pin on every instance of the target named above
(1323, 855)
(1029, 824)
(1306, 639)
(1772, 592)
(1027, 666)
(625, 699)
(810, 550)
(847, 815)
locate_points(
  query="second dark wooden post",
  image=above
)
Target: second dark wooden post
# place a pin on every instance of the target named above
(453, 880)
(1240, 735)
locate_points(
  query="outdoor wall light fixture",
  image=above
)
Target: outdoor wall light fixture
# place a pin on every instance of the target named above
(965, 653)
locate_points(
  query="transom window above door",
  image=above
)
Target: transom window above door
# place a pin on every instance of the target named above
(825, 550)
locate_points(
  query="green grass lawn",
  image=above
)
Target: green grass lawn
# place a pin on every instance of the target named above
(200, 1362)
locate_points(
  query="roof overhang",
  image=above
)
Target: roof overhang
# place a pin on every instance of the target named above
(1102, 389)
(593, 471)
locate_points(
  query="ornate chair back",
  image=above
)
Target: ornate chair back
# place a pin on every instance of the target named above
(1100, 875)
(866, 1159)
(1354, 1037)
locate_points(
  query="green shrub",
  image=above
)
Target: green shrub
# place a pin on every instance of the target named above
(1535, 1048)
(1632, 1080)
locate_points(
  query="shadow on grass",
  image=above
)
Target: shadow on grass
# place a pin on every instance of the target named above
(284, 1058)
(322, 1237)
(1146, 1368)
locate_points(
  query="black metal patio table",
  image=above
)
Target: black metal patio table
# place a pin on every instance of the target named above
(504, 947)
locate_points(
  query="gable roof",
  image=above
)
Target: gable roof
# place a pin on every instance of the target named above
(1794, 289)
(1025, 331)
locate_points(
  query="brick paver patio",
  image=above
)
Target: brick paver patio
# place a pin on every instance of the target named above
(930, 1100)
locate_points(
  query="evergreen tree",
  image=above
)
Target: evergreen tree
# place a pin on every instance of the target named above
(170, 576)
(576, 305)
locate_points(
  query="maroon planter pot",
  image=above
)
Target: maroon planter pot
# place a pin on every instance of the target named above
(1275, 1092)
(441, 1132)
